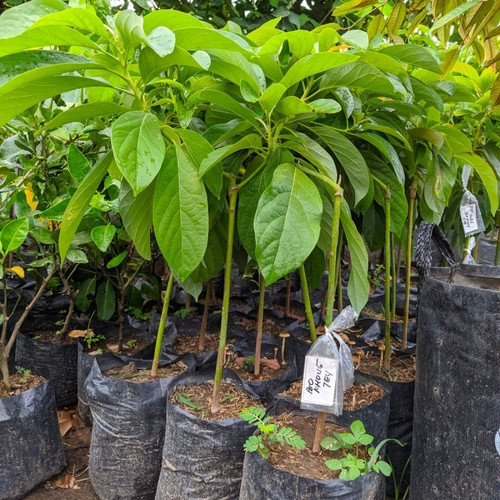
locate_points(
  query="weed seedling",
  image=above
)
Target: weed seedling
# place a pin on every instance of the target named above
(269, 433)
(24, 372)
(354, 447)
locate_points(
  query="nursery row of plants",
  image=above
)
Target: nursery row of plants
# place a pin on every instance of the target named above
(186, 209)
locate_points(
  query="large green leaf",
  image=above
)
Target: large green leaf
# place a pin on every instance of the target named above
(314, 64)
(351, 159)
(82, 19)
(79, 202)
(287, 222)
(487, 175)
(206, 39)
(180, 213)
(172, 19)
(386, 148)
(106, 300)
(137, 216)
(358, 75)
(138, 147)
(199, 148)
(358, 287)
(422, 57)
(45, 36)
(17, 19)
(86, 289)
(13, 234)
(453, 13)
(19, 69)
(84, 112)
(20, 99)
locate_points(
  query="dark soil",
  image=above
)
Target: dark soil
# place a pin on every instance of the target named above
(295, 313)
(356, 397)
(188, 343)
(233, 400)
(266, 373)
(130, 373)
(303, 462)
(75, 476)
(131, 345)
(20, 382)
(268, 325)
(52, 336)
(402, 369)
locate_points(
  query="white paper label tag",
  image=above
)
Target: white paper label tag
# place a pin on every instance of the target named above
(319, 380)
(469, 218)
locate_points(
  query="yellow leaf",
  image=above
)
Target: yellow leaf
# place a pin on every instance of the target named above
(16, 270)
(449, 60)
(396, 18)
(495, 93)
(30, 196)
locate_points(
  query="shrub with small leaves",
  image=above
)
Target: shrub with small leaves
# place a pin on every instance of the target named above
(269, 433)
(353, 446)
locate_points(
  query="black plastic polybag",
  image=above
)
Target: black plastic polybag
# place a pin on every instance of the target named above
(53, 361)
(264, 482)
(202, 459)
(457, 404)
(127, 433)
(31, 449)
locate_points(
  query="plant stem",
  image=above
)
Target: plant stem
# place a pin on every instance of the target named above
(409, 245)
(497, 251)
(466, 245)
(161, 326)
(475, 252)
(204, 321)
(288, 292)
(340, 247)
(260, 322)
(393, 278)
(307, 303)
(320, 429)
(330, 302)
(72, 300)
(233, 196)
(387, 353)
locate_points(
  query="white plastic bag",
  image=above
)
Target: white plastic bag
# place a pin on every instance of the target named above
(329, 370)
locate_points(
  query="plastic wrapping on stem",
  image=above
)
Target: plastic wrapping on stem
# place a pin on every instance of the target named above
(472, 220)
(469, 259)
(329, 360)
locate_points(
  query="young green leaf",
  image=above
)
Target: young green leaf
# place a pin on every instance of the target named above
(86, 289)
(80, 201)
(106, 300)
(138, 147)
(287, 222)
(78, 165)
(116, 261)
(13, 234)
(180, 213)
(102, 236)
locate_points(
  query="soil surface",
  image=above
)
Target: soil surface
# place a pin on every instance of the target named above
(268, 325)
(266, 372)
(295, 313)
(303, 462)
(131, 345)
(189, 343)
(402, 369)
(20, 382)
(356, 397)
(196, 399)
(130, 373)
(73, 482)
(52, 336)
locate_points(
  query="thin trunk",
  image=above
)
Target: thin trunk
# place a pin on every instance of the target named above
(288, 292)
(475, 252)
(340, 247)
(260, 323)
(188, 300)
(67, 320)
(409, 246)
(121, 321)
(466, 246)
(394, 287)
(4, 355)
(204, 321)
(497, 251)
(161, 327)
(320, 430)
(233, 196)
(330, 302)
(307, 303)
(387, 353)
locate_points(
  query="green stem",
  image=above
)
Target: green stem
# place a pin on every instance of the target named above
(330, 301)
(340, 247)
(394, 278)
(233, 196)
(387, 353)
(307, 303)
(497, 251)
(409, 245)
(466, 245)
(260, 322)
(161, 327)
(204, 321)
